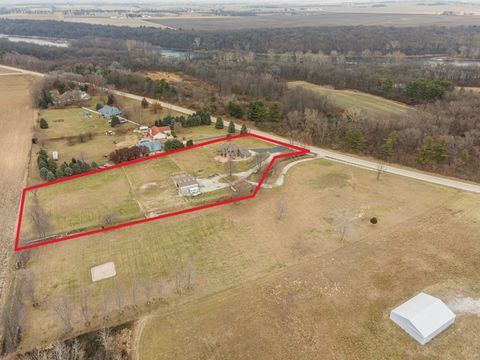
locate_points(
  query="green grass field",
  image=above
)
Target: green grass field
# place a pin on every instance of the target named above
(351, 99)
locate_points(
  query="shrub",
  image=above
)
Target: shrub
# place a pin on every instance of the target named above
(43, 124)
(374, 220)
(219, 123)
(173, 144)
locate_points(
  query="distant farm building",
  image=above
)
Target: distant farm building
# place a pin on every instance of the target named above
(186, 184)
(233, 151)
(70, 97)
(109, 111)
(152, 145)
(423, 317)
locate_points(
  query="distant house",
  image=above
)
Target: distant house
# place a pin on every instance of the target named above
(161, 132)
(233, 151)
(152, 145)
(109, 111)
(186, 184)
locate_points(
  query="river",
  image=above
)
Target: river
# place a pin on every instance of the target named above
(36, 40)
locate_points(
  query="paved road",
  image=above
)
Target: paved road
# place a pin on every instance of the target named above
(328, 154)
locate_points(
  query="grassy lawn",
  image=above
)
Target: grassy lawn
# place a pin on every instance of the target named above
(127, 193)
(351, 99)
(298, 258)
(83, 203)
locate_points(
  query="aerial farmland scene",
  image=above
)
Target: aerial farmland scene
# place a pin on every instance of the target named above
(239, 180)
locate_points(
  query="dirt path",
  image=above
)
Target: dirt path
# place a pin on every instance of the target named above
(17, 121)
(137, 335)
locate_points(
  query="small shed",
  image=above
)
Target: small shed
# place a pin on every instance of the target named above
(423, 317)
(186, 184)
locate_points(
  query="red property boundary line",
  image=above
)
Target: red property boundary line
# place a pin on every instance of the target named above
(299, 151)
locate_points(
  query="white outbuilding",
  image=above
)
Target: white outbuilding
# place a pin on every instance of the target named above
(423, 317)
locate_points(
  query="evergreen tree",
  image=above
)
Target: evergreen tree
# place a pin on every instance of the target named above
(145, 103)
(59, 173)
(50, 176)
(94, 165)
(45, 99)
(235, 110)
(274, 113)
(98, 106)
(114, 121)
(189, 142)
(355, 139)
(68, 171)
(219, 123)
(43, 172)
(231, 127)
(52, 165)
(244, 129)
(76, 168)
(257, 111)
(173, 144)
(43, 124)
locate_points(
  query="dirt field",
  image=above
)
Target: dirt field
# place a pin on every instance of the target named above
(321, 19)
(169, 262)
(17, 121)
(351, 99)
(168, 76)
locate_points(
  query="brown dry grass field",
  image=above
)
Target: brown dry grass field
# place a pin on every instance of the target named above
(333, 298)
(16, 120)
(239, 282)
(319, 19)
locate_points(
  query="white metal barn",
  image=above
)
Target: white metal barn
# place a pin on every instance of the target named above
(423, 317)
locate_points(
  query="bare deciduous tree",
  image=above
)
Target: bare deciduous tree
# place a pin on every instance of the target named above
(380, 170)
(28, 284)
(104, 338)
(39, 217)
(21, 259)
(281, 209)
(60, 351)
(190, 277)
(62, 308)
(84, 306)
(119, 297)
(108, 219)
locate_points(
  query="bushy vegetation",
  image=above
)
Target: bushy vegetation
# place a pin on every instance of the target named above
(49, 170)
(128, 154)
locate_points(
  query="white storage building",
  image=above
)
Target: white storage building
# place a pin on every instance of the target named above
(423, 317)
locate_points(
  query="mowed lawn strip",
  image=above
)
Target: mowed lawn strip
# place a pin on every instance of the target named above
(350, 99)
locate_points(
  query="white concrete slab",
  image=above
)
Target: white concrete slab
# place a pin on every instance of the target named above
(103, 271)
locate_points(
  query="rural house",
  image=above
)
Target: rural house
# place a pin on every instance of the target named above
(186, 184)
(160, 132)
(109, 111)
(152, 145)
